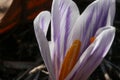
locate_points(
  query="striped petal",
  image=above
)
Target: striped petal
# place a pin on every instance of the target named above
(98, 14)
(59, 8)
(69, 18)
(42, 41)
(64, 15)
(94, 54)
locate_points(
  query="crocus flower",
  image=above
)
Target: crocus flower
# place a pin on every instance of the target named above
(79, 42)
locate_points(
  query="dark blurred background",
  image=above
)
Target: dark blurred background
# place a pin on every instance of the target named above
(19, 54)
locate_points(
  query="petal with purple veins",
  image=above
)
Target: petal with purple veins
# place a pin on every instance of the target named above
(96, 15)
(58, 10)
(69, 17)
(65, 13)
(94, 54)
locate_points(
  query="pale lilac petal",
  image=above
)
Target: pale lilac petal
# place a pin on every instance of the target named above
(44, 48)
(64, 15)
(58, 10)
(69, 18)
(94, 54)
(94, 17)
(43, 20)
(111, 14)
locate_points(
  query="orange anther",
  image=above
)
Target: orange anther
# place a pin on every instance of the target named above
(70, 59)
(92, 39)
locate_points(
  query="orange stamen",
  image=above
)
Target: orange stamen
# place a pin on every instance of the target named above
(92, 39)
(70, 59)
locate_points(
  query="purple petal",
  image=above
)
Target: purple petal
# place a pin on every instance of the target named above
(69, 17)
(58, 10)
(64, 15)
(94, 17)
(94, 54)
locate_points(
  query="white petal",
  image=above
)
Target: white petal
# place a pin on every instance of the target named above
(51, 46)
(43, 20)
(94, 54)
(44, 48)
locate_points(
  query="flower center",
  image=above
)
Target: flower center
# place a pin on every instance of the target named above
(70, 59)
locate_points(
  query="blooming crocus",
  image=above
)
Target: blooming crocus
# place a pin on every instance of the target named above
(79, 42)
